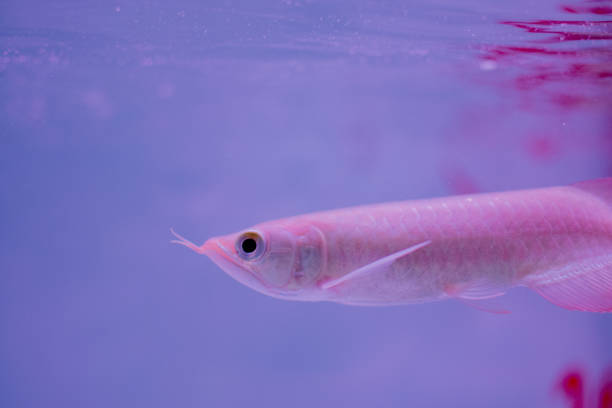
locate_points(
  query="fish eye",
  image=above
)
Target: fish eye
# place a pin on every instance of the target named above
(250, 246)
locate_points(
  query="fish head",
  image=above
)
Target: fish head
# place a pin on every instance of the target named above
(282, 261)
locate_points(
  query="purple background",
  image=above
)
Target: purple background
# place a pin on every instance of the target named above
(121, 119)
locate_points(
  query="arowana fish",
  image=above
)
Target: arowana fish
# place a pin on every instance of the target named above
(556, 241)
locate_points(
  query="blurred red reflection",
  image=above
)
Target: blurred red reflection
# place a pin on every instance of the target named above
(605, 394)
(552, 66)
(566, 30)
(599, 9)
(572, 386)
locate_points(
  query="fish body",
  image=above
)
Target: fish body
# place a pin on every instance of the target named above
(557, 241)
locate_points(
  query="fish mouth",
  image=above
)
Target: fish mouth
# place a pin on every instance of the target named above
(225, 260)
(229, 263)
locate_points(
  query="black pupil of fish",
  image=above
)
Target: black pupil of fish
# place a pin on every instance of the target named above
(249, 245)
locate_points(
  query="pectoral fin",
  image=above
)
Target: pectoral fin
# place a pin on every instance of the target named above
(376, 266)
